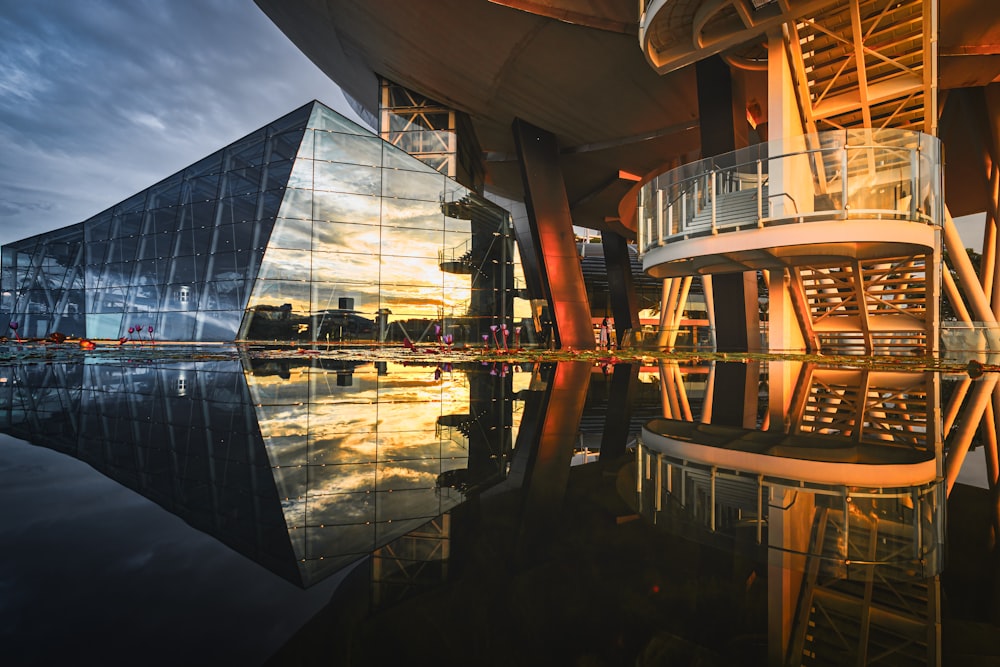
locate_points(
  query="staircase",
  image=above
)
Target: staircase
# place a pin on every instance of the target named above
(865, 599)
(873, 307)
(732, 210)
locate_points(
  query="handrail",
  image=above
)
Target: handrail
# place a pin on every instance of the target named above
(785, 194)
(899, 179)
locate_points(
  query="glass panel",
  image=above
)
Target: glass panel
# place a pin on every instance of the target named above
(166, 193)
(412, 301)
(200, 189)
(323, 118)
(243, 236)
(284, 145)
(136, 202)
(306, 147)
(192, 241)
(187, 269)
(347, 178)
(108, 300)
(363, 302)
(246, 152)
(196, 214)
(241, 181)
(238, 209)
(271, 200)
(295, 234)
(355, 149)
(98, 228)
(411, 213)
(403, 184)
(277, 175)
(209, 165)
(96, 252)
(413, 474)
(394, 158)
(346, 208)
(302, 174)
(223, 266)
(285, 264)
(345, 237)
(271, 295)
(103, 326)
(217, 324)
(161, 220)
(345, 267)
(176, 326)
(296, 204)
(412, 242)
(411, 271)
(179, 296)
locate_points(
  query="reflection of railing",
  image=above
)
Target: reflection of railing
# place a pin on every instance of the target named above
(884, 174)
(728, 501)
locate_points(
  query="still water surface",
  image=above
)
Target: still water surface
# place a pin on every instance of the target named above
(241, 510)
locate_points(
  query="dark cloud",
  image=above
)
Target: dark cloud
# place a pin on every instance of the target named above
(101, 99)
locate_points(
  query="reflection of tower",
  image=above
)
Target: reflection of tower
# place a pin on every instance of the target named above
(841, 483)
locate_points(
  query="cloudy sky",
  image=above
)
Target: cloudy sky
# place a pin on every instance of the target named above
(100, 99)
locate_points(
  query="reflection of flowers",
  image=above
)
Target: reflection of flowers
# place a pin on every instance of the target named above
(13, 326)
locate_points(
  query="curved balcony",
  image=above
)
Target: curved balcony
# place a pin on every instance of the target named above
(853, 194)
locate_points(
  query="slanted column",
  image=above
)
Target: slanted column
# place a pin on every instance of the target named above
(621, 287)
(552, 235)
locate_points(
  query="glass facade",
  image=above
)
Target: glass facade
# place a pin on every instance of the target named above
(309, 229)
(304, 466)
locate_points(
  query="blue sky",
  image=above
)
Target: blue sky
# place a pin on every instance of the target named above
(100, 99)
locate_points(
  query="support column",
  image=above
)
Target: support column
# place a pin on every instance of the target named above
(737, 315)
(548, 467)
(552, 235)
(617, 423)
(621, 288)
(784, 334)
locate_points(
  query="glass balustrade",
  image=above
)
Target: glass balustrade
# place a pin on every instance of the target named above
(852, 174)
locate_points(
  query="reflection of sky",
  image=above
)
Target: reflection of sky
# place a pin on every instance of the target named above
(371, 451)
(401, 256)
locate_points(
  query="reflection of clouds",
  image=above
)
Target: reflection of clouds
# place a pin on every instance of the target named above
(391, 474)
(336, 237)
(291, 234)
(341, 207)
(410, 271)
(412, 213)
(346, 267)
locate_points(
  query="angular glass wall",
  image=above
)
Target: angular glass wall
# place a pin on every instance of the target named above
(372, 244)
(301, 465)
(176, 257)
(310, 229)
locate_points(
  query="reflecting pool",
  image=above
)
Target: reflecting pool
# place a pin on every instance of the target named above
(300, 507)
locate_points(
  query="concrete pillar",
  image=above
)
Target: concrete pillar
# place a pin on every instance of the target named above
(552, 235)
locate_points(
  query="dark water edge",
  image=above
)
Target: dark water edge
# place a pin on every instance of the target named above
(92, 573)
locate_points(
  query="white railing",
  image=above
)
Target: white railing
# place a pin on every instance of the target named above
(881, 174)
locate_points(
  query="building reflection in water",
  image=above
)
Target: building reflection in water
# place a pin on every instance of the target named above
(830, 483)
(303, 466)
(837, 477)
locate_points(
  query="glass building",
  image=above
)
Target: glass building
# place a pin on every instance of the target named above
(309, 229)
